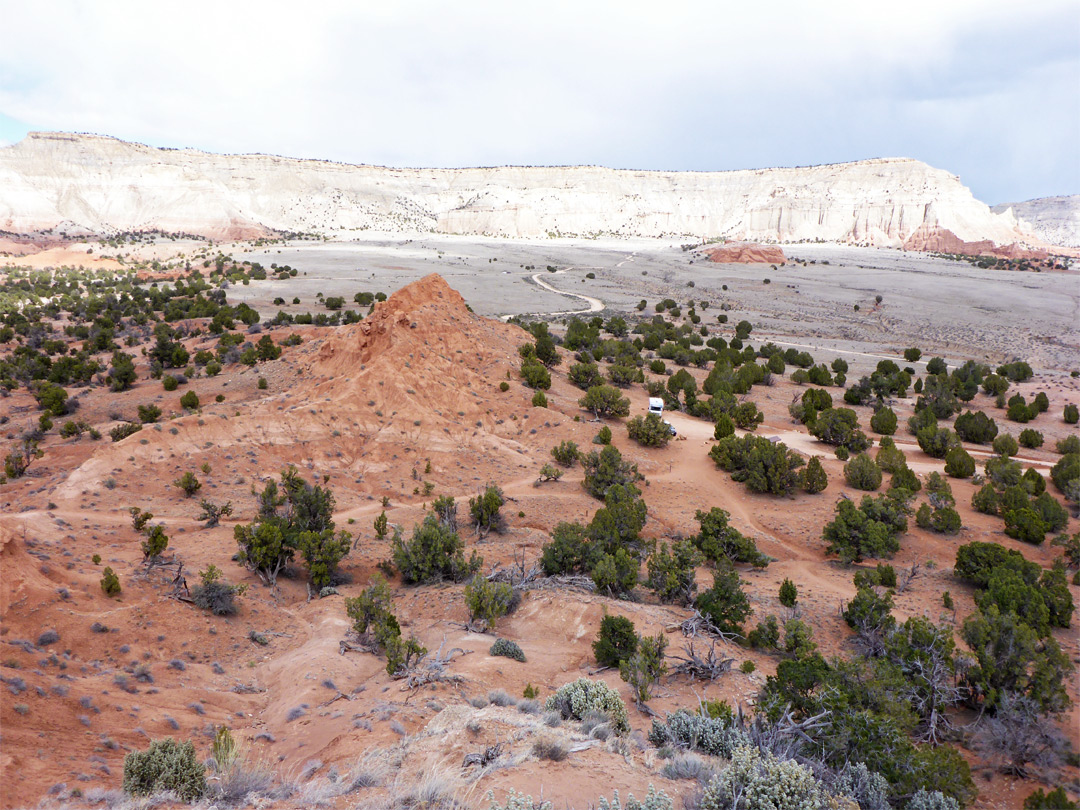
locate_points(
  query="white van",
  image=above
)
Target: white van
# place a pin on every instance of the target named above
(656, 408)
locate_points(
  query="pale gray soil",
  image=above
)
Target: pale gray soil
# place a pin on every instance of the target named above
(944, 307)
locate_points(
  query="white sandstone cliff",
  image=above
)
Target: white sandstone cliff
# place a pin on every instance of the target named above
(102, 184)
(1055, 220)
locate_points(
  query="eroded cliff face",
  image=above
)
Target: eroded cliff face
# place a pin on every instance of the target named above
(103, 184)
(1055, 220)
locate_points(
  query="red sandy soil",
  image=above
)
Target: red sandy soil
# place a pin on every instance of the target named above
(366, 407)
(59, 257)
(746, 253)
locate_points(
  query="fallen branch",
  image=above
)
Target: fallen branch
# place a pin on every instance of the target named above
(701, 625)
(570, 582)
(708, 667)
(431, 668)
(485, 757)
(338, 696)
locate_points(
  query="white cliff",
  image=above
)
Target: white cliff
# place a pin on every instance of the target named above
(102, 184)
(1055, 220)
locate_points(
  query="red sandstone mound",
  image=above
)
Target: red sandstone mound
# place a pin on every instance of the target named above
(941, 240)
(421, 352)
(745, 253)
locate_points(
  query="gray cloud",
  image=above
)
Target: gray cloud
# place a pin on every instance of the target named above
(983, 89)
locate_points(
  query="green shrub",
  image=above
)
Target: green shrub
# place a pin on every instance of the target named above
(936, 442)
(540, 400)
(322, 552)
(977, 560)
(603, 436)
(605, 401)
(724, 427)
(976, 427)
(110, 582)
(721, 542)
(1031, 438)
(170, 383)
(840, 428)
(615, 574)
(645, 667)
(484, 511)
(763, 465)
(890, 458)
(262, 385)
(568, 552)
(747, 416)
(813, 479)
(773, 783)
(799, 638)
(863, 473)
(616, 641)
(373, 609)
(1071, 414)
(122, 431)
(870, 611)
(959, 463)
(1005, 445)
(1070, 444)
(985, 500)
(189, 401)
(766, 636)
(1024, 525)
(725, 604)
(155, 543)
(1053, 514)
(605, 469)
(789, 594)
(883, 575)
(214, 594)
(943, 520)
(711, 731)
(869, 530)
(575, 700)
(1066, 473)
(488, 601)
(566, 453)
(149, 413)
(671, 574)
(1056, 799)
(883, 421)
(1011, 657)
(189, 483)
(165, 766)
(507, 649)
(434, 552)
(649, 431)
(586, 375)
(536, 375)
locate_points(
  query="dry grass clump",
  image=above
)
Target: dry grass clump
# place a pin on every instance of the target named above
(547, 746)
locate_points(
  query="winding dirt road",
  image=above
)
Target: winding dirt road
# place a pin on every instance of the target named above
(595, 304)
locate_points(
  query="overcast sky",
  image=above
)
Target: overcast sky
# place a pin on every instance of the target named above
(987, 90)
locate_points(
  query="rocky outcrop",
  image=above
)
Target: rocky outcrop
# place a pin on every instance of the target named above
(51, 180)
(745, 253)
(935, 239)
(1055, 220)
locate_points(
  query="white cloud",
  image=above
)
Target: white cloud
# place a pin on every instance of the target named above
(681, 85)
